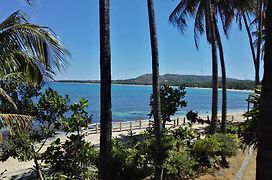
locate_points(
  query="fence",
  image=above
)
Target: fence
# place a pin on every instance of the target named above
(140, 124)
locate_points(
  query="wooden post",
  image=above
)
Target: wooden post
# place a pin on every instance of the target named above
(140, 124)
(177, 121)
(184, 121)
(208, 118)
(232, 118)
(131, 126)
(149, 124)
(174, 123)
(120, 126)
(96, 128)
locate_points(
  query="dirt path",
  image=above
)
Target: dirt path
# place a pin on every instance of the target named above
(244, 165)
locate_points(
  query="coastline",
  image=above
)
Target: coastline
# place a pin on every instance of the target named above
(144, 85)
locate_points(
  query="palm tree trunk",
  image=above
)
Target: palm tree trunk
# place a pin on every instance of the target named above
(264, 132)
(251, 43)
(212, 40)
(224, 79)
(155, 86)
(258, 57)
(105, 92)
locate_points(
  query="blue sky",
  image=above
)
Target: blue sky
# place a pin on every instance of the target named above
(77, 25)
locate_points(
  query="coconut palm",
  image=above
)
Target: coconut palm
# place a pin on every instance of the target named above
(155, 85)
(252, 14)
(30, 52)
(224, 11)
(201, 11)
(105, 92)
(264, 129)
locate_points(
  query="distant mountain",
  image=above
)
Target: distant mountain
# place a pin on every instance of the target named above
(184, 80)
(172, 79)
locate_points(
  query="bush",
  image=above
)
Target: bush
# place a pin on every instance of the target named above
(171, 100)
(179, 165)
(130, 162)
(212, 146)
(184, 133)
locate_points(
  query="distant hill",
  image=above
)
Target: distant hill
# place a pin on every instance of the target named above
(176, 79)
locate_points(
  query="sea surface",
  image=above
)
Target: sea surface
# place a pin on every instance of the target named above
(131, 102)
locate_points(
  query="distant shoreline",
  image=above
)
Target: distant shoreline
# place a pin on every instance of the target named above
(128, 84)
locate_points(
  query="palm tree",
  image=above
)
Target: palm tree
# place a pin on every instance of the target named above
(264, 129)
(155, 85)
(201, 10)
(245, 11)
(105, 92)
(29, 52)
(224, 79)
(29, 49)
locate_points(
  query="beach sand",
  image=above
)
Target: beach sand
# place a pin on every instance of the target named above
(13, 167)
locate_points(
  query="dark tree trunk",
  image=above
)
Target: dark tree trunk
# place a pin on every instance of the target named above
(251, 43)
(224, 89)
(37, 165)
(259, 30)
(155, 85)
(105, 165)
(212, 40)
(264, 131)
(224, 78)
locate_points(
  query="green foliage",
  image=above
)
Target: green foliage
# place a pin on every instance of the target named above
(232, 128)
(179, 165)
(21, 93)
(130, 160)
(34, 52)
(215, 145)
(184, 133)
(137, 158)
(75, 158)
(171, 100)
(51, 109)
(19, 146)
(249, 127)
(79, 118)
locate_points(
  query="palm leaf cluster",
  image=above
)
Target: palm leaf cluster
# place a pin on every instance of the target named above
(15, 123)
(30, 50)
(197, 10)
(249, 128)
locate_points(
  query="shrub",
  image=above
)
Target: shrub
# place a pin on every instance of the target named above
(184, 133)
(207, 149)
(171, 100)
(179, 165)
(129, 160)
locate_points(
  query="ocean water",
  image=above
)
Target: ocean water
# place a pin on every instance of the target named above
(131, 102)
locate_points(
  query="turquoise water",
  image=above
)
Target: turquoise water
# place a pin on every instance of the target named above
(132, 102)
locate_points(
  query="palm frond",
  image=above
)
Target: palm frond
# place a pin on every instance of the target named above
(7, 97)
(15, 122)
(182, 12)
(199, 27)
(23, 39)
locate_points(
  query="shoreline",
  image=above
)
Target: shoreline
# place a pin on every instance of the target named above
(123, 84)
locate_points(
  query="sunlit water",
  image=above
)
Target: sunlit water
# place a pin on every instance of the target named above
(132, 102)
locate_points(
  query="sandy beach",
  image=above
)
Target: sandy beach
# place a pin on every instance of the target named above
(13, 167)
